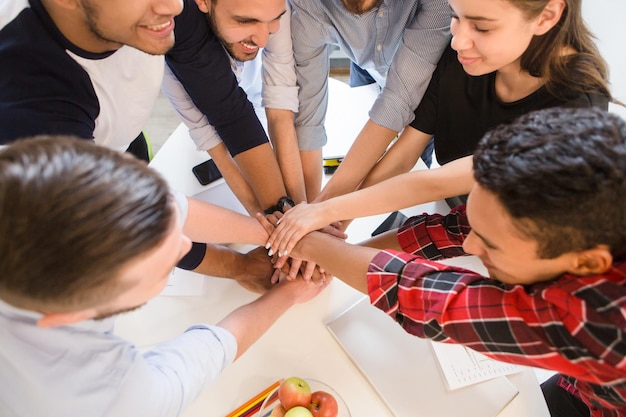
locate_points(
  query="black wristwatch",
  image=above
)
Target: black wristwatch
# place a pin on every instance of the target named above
(283, 202)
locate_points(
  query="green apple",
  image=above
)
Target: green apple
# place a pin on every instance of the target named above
(298, 411)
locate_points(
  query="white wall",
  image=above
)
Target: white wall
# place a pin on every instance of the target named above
(607, 20)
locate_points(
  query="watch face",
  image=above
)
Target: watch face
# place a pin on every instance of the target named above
(285, 202)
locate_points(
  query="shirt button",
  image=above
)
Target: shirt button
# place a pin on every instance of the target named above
(381, 14)
(379, 47)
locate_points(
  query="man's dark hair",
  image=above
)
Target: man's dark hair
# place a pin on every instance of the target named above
(73, 213)
(561, 174)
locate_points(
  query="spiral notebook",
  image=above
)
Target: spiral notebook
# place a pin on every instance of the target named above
(404, 370)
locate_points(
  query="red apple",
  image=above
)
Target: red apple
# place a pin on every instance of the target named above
(294, 391)
(323, 404)
(278, 411)
(298, 411)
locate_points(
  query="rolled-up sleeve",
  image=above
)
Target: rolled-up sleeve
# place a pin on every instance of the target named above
(280, 89)
(423, 42)
(202, 133)
(312, 58)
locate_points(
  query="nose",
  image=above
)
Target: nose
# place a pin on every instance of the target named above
(168, 7)
(460, 37)
(262, 34)
(472, 245)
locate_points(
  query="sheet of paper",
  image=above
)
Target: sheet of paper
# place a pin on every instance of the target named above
(184, 283)
(462, 366)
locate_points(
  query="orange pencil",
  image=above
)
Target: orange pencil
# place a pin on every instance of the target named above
(253, 401)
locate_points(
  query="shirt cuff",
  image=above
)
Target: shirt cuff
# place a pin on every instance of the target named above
(382, 280)
(311, 138)
(205, 137)
(226, 339)
(387, 114)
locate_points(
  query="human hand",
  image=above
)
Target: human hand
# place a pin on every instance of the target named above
(303, 290)
(258, 271)
(285, 272)
(289, 270)
(295, 224)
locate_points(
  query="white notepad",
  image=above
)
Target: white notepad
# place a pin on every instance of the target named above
(463, 366)
(404, 371)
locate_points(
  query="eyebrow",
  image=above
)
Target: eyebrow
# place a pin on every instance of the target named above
(480, 18)
(251, 19)
(476, 18)
(485, 240)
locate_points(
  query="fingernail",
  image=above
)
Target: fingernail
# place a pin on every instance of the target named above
(270, 252)
(280, 255)
(268, 245)
(286, 253)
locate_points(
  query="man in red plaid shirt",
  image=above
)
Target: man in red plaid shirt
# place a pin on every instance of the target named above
(547, 217)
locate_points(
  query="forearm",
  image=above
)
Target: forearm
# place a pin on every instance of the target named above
(260, 169)
(402, 191)
(214, 224)
(235, 179)
(368, 147)
(249, 322)
(282, 133)
(345, 261)
(222, 261)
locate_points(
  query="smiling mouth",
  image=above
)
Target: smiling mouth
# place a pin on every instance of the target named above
(249, 46)
(160, 27)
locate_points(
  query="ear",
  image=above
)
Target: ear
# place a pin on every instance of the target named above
(550, 16)
(203, 5)
(62, 319)
(592, 261)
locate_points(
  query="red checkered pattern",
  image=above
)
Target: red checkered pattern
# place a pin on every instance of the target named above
(573, 325)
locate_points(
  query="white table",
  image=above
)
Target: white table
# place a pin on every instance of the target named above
(299, 343)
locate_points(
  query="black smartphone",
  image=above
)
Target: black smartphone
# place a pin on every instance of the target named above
(206, 172)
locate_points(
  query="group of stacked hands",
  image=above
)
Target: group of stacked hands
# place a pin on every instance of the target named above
(512, 96)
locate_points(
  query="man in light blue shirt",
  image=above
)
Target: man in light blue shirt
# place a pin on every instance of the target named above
(397, 42)
(88, 233)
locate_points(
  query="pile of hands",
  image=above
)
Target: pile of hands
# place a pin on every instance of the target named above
(285, 232)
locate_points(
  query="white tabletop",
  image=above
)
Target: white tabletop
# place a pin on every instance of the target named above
(299, 343)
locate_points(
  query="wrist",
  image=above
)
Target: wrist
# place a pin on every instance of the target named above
(330, 210)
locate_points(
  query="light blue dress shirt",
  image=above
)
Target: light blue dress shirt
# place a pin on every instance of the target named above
(85, 370)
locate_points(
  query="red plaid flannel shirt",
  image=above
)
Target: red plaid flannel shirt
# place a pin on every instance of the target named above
(572, 325)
